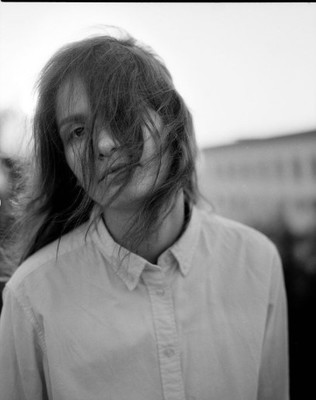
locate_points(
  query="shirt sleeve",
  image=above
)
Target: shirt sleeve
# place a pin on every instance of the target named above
(274, 368)
(21, 372)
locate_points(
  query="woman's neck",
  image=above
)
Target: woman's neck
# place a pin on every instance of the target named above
(167, 233)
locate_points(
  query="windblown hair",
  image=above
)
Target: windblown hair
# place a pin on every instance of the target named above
(9, 254)
(125, 83)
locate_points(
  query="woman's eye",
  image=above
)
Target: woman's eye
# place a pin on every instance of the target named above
(76, 133)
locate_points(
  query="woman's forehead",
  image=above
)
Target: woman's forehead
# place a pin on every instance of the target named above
(71, 99)
(72, 102)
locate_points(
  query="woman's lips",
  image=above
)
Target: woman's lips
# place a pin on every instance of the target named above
(113, 171)
(116, 169)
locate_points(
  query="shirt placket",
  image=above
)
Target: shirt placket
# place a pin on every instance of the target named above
(166, 334)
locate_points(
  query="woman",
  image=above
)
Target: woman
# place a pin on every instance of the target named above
(127, 288)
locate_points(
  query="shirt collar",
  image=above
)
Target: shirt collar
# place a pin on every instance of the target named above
(184, 248)
(129, 266)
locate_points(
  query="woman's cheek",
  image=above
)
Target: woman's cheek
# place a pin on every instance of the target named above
(73, 161)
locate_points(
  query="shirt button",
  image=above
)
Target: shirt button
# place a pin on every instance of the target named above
(160, 292)
(169, 352)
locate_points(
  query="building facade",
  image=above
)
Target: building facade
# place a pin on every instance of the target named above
(262, 182)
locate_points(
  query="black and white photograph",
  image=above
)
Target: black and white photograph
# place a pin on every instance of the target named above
(157, 200)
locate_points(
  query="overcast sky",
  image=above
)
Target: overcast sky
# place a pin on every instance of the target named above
(244, 69)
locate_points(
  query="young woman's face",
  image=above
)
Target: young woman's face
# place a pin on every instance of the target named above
(72, 112)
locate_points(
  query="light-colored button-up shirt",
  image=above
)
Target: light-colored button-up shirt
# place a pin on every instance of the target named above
(209, 321)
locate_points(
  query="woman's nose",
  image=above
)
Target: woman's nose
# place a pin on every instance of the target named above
(105, 145)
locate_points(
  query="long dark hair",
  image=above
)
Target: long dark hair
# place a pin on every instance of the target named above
(124, 81)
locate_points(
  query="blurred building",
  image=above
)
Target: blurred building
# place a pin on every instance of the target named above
(262, 182)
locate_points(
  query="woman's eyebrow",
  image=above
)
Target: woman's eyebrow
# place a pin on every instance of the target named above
(71, 119)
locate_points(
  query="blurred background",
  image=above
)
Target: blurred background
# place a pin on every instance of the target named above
(247, 72)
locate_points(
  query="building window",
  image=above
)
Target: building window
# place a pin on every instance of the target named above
(297, 169)
(279, 169)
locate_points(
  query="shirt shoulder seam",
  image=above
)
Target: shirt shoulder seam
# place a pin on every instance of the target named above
(29, 315)
(38, 263)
